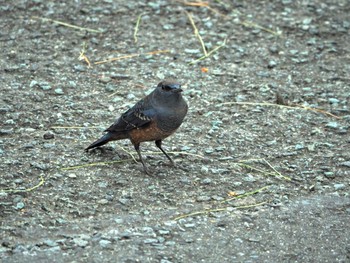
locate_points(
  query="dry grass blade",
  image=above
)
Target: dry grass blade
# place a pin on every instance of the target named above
(201, 4)
(131, 56)
(205, 4)
(210, 52)
(246, 194)
(82, 55)
(42, 181)
(251, 24)
(137, 27)
(219, 210)
(196, 33)
(184, 153)
(129, 153)
(318, 110)
(274, 173)
(66, 24)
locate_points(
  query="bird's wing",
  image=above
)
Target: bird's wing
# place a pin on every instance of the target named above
(137, 116)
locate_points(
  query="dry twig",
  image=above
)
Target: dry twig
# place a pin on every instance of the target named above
(66, 24)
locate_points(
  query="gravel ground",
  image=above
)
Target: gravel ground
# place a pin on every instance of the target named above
(261, 175)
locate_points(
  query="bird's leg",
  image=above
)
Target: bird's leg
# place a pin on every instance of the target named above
(159, 145)
(137, 148)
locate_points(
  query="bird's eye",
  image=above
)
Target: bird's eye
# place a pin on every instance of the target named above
(166, 88)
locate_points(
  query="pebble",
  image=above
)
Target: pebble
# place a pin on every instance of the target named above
(6, 131)
(102, 184)
(263, 74)
(170, 243)
(333, 101)
(332, 124)
(206, 181)
(54, 249)
(329, 174)
(110, 87)
(19, 206)
(217, 198)
(50, 243)
(80, 242)
(33, 83)
(150, 240)
(164, 232)
(272, 64)
(105, 79)
(105, 243)
(72, 84)
(48, 136)
(189, 225)
(203, 198)
(204, 170)
(191, 51)
(18, 181)
(72, 175)
(347, 164)
(45, 86)
(168, 26)
(249, 179)
(59, 91)
(3, 195)
(299, 147)
(339, 186)
(79, 68)
(130, 96)
(102, 201)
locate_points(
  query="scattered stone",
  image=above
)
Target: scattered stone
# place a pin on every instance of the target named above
(119, 221)
(329, 174)
(332, 124)
(206, 181)
(347, 164)
(150, 240)
(105, 244)
(272, 64)
(72, 84)
(80, 242)
(339, 186)
(192, 51)
(48, 135)
(164, 232)
(50, 243)
(203, 198)
(18, 181)
(33, 83)
(6, 131)
(105, 79)
(299, 147)
(110, 87)
(59, 91)
(333, 101)
(19, 206)
(103, 201)
(79, 68)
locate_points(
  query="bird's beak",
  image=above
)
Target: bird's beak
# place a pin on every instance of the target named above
(176, 88)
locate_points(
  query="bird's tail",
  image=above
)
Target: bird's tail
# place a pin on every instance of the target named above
(103, 140)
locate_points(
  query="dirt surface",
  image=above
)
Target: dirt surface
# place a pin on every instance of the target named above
(285, 169)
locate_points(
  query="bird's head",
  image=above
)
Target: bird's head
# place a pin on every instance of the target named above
(169, 87)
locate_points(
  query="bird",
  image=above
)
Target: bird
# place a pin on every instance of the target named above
(153, 118)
